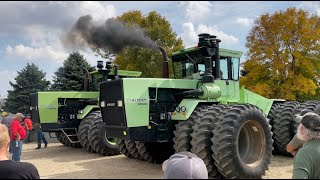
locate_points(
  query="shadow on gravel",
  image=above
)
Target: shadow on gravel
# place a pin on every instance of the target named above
(116, 167)
(59, 153)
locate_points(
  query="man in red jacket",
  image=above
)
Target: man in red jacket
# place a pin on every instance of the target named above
(28, 128)
(17, 134)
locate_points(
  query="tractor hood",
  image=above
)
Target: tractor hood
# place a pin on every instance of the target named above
(130, 98)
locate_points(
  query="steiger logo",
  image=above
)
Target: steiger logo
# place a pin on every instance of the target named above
(136, 100)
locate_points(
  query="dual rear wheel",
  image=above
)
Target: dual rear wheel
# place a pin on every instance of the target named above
(234, 141)
(282, 118)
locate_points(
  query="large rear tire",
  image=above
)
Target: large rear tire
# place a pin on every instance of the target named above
(283, 126)
(74, 138)
(62, 138)
(271, 116)
(132, 148)
(122, 148)
(242, 142)
(311, 105)
(155, 152)
(83, 132)
(182, 133)
(98, 140)
(65, 141)
(201, 138)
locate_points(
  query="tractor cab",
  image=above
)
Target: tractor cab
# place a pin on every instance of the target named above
(190, 64)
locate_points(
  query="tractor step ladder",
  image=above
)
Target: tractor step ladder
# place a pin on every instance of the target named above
(73, 133)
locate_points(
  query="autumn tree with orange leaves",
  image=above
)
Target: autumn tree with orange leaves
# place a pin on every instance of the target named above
(283, 60)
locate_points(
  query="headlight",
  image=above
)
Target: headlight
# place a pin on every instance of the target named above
(120, 103)
(102, 104)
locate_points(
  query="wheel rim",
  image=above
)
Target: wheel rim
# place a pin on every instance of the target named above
(112, 141)
(251, 143)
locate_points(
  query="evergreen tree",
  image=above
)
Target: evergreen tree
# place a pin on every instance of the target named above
(70, 77)
(29, 80)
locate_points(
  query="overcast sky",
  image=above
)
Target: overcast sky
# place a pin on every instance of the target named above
(30, 31)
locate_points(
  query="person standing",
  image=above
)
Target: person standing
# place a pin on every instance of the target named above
(307, 159)
(10, 169)
(17, 134)
(40, 135)
(297, 143)
(28, 128)
(3, 114)
(7, 120)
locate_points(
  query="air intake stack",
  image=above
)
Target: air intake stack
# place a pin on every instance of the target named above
(210, 47)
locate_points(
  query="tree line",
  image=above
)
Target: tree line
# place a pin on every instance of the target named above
(282, 60)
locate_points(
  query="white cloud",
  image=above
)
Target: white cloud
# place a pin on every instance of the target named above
(196, 10)
(61, 3)
(41, 53)
(190, 34)
(6, 76)
(312, 6)
(225, 38)
(44, 37)
(97, 10)
(244, 21)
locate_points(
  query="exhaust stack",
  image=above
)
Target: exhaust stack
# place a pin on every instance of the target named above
(217, 60)
(86, 82)
(165, 63)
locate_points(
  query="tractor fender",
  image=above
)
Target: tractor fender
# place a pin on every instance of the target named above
(186, 107)
(87, 110)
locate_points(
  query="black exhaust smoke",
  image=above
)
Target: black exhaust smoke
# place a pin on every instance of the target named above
(112, 36)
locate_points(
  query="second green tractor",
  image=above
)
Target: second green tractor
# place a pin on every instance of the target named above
(74, 116)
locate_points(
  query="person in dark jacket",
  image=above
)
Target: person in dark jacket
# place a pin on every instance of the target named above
(40, 135)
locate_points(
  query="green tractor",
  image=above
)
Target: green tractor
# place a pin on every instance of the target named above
(203, 110)
(74, 116)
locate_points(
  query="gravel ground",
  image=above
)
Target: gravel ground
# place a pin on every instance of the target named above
(58, 161)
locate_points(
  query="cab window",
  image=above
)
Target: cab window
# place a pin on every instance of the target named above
(235, 68)
(223, 68)
(183, 69)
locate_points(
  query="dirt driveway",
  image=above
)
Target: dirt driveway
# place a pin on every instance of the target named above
(58, 161)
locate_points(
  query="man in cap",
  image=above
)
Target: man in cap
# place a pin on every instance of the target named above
(17, 134)
(296, 143)
(28, 128)
(184, 165)
(306, 162)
